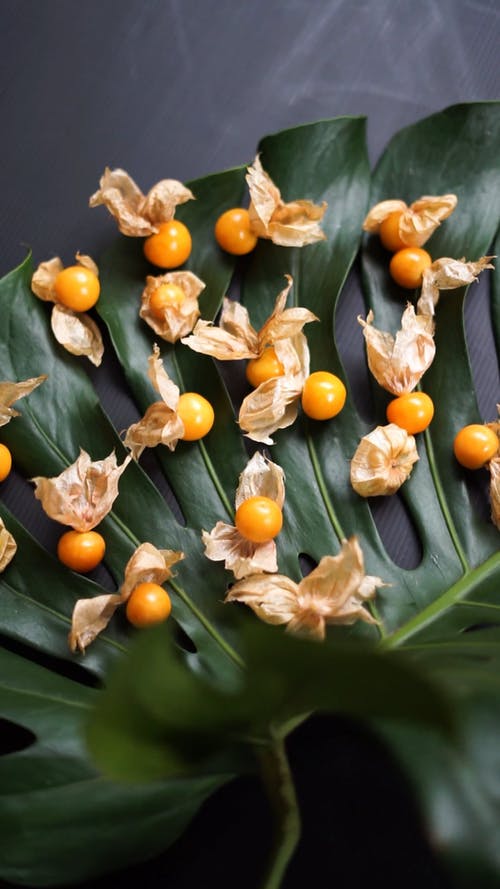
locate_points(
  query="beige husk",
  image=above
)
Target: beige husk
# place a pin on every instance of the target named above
(177, 320)
(83, 494)
(418, 221)
(8, 546)
(235, 338)
(333, 593)
(383, 461)
(448, 274)
(494, 468)
(91, 616)
(75, 331)
(11, 392)
(260, 478)
(137, 214)
(160, 424)
(274, 404)
(293, 224)
(398, 363)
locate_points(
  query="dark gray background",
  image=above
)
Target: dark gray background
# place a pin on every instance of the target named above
(180, 89)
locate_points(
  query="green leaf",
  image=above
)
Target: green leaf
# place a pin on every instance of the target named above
(60, 820)
(137, 733)
(424, 612)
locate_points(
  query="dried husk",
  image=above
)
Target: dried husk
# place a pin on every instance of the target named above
(333, 593)
(383, 461)
(235, 338)
(260, 478)
(75, 331)
(8, 546)
(494, 468)
(293, 224)
(83, 494)
(224, 543)
(177, 321)
(398, 363)
(12, 392)
(43, 279)
(271, 406)
(418, 221)
(137, 214)
(275, 404)
(91, 616)
(448, 274)
(160, 424)
(44, 276)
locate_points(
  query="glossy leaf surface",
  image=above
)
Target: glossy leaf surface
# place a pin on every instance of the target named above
(423, 611)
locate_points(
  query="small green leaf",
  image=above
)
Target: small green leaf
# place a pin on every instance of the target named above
(158, 719)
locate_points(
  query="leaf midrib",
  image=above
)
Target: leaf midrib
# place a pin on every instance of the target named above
(228, 650)
(435, 609)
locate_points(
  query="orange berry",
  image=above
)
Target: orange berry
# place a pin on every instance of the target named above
(5, 462)
(412, 411)
(408, 265)
(323, 395)
(164, 297)
(197, 414)
(170, 246)
(265, 367)
(81, 550)
(259, 519)
(148, 604)
(233, 232)
(475, 445)
(389, 232)
(77, 288)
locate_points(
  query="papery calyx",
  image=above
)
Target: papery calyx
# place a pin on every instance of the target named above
(335, 592)
(91, 616)
(260, 478)
(137, 214)
(383, 461)
(83, 494)
(293, 224)
(417, 222)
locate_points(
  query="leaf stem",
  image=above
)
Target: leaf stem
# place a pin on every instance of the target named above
(204, 453)
(469, 582)
(228, 649)
(278, 781)
(332, 515)
(443, 504)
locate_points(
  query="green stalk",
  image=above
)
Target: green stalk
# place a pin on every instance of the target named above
(278, 781)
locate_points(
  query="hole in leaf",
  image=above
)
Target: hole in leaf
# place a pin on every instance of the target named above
(57, 665)
(351, 345)
(476, 628)
(307, 563)
(481, 346)
(14, 737)
(478, 482)
(182, 639)
(396, 530)
(150, 463)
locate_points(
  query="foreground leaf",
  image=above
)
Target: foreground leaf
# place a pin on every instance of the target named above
(74, 823)
(136, 732)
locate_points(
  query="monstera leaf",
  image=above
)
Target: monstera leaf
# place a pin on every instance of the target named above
(195, 702)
